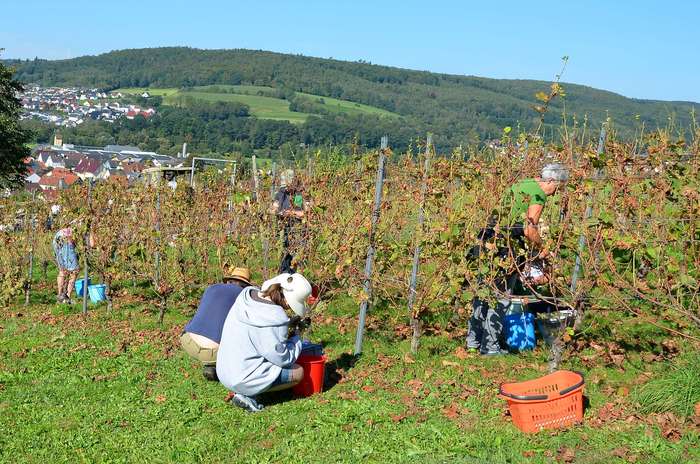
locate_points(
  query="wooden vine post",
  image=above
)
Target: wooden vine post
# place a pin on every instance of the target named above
(416, 323)
(156, 273)
(86, 241)
(367, 287)
(32, 227)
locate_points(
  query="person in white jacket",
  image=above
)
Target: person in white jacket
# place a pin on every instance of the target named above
(256, 353)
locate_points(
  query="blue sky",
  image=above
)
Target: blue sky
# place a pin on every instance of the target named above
(641, 49)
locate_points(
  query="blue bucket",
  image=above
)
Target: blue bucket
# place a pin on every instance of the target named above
(520, 331)
(97, 292)
(79, 287)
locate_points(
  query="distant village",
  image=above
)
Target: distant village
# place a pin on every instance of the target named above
(58, 166)
(72, 106)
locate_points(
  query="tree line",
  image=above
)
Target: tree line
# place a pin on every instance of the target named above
(459, 109)
(226, 128)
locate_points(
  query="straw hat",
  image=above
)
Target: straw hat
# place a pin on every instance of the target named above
(239, 273)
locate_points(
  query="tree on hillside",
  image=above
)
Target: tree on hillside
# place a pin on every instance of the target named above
(13, 138)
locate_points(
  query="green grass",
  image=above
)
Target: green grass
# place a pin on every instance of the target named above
(344, 106)
(677, 389)
(239, 89)
(156, 92)
(114, 387)
(261, 106)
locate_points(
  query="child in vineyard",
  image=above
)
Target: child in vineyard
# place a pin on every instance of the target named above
(523, 205)
(290, 207)
(256, 352)
(202, 335)
(67, 262)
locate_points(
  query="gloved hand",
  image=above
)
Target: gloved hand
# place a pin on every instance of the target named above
(299, 323)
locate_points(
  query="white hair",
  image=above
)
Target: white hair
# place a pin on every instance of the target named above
(555, 171)
(286, 177)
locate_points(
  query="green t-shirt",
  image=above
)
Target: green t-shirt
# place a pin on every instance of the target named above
(520, 197)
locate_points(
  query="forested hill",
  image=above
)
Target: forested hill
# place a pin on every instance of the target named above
(456, 108)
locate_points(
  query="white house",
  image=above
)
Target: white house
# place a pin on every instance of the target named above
(33, 178)
(51, 160)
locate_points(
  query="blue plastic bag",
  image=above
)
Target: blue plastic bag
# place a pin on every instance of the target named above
(520, 330)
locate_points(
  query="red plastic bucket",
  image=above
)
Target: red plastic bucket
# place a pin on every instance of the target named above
(314, 370)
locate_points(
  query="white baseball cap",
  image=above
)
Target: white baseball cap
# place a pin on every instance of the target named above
(295, 288)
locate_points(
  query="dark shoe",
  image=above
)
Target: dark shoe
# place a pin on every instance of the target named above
(209, 373)
(247, 403)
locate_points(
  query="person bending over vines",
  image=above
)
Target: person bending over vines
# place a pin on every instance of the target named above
(512, 234)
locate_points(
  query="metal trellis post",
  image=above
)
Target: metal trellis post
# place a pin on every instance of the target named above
(586, 216)
(273, 179)
(255, 178)
(415, 322)
(370, 250)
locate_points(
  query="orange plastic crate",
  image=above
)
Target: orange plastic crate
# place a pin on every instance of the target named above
(549, 402)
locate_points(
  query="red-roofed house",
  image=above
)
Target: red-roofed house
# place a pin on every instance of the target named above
(91, 168)
(148, 113)
(131, 168)
(57, 178)
(71, 159)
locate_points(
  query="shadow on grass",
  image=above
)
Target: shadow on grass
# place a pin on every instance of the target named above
(333, 374)
(276, 397)
(336, 368)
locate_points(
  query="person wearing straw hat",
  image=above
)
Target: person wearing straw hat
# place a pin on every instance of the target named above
(257, 353)
(202, 335)
(523, 205)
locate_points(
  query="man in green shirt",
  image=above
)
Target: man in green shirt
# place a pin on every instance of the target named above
(522, 209)
(528, 197)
